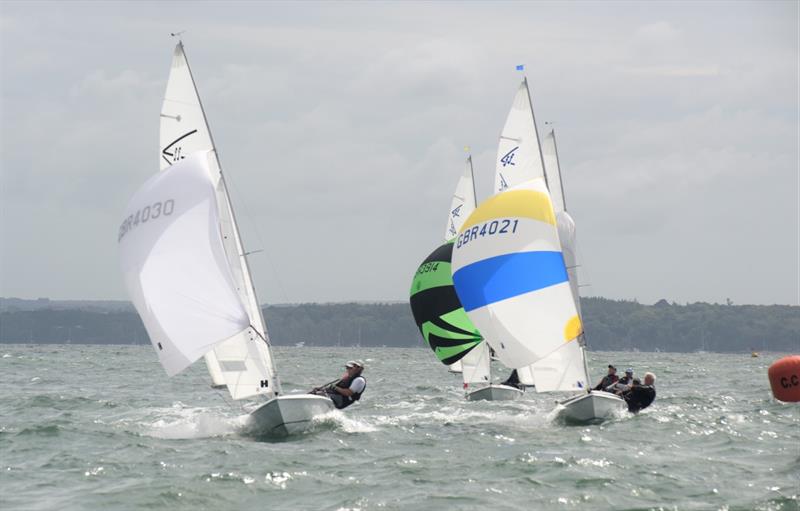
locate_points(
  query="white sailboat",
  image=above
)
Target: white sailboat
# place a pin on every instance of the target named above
(476, 366)
(509, 267)
(186, 269)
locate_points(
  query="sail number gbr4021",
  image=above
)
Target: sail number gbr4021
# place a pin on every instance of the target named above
(151, 212)
(500, 226)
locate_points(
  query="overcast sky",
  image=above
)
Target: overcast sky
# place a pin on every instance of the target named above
(342, 127)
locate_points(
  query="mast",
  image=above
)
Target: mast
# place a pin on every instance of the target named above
(558, 164)
(472, 176)
(536, 131)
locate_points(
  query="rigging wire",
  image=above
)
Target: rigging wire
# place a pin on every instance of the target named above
(251, 220)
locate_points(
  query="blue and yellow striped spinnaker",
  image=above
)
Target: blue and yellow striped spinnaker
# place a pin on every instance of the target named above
(509, 273)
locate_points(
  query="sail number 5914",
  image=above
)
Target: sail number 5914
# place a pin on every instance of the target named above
(503, 226)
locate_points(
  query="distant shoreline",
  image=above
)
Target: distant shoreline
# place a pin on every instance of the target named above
(611, 325)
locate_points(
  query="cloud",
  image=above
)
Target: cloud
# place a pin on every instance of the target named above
(341, 128)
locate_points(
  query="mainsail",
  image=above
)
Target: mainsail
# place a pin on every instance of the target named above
(519, 157)
(463, 203)
(243, 362)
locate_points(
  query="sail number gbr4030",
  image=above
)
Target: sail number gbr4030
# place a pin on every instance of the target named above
(147, 213)
(500, 226)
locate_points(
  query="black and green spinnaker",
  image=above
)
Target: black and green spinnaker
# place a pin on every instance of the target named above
(437, 310)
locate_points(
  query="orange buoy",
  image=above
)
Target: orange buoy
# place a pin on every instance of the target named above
(784, 377)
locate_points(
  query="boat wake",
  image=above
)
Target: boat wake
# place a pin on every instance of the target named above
(180, 422)
(336, 419)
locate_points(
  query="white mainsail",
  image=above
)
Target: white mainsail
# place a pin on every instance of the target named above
(463, 203)
(243, 362)
(519, 156)
(553, 171)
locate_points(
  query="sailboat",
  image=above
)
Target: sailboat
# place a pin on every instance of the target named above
(186, 269)
(440, 316)
(511, 271)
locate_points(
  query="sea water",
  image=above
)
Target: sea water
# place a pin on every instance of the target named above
(102, 427)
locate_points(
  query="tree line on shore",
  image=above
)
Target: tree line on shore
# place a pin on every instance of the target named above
(618, 325)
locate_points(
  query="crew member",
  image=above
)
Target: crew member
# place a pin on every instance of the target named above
(348, 389)
(513, 380)
(609, 379)
(639, 396)
(624, 383)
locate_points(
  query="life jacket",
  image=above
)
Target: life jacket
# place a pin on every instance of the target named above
(640, 397)
(344, 383)
(607, 381)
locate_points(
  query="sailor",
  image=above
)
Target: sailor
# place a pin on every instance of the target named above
(513, 380)
(624, 383)
(609, 379)
(349, 388)
(639, 396)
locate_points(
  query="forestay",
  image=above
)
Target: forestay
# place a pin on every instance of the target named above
(243, 363)
(519, 157)
(509, 273)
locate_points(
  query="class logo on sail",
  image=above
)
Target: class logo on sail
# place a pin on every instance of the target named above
(173, 153)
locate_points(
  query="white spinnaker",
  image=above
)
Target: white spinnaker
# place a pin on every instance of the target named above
(519, 156)
(463, 203)
(174, 265)
(475, 365)
(523, 321)
(244, 361)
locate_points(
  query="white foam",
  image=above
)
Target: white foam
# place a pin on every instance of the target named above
(181, 422)
(345, 422)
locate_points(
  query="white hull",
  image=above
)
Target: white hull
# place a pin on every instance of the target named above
(288, 415)
(494, 393)
(594, 406)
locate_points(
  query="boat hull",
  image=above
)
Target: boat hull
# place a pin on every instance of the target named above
(494, 393)
(592, 407)
(289, 415)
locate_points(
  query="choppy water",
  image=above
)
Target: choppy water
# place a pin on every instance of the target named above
(101, 427)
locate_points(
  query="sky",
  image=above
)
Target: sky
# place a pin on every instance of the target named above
(341, 128)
